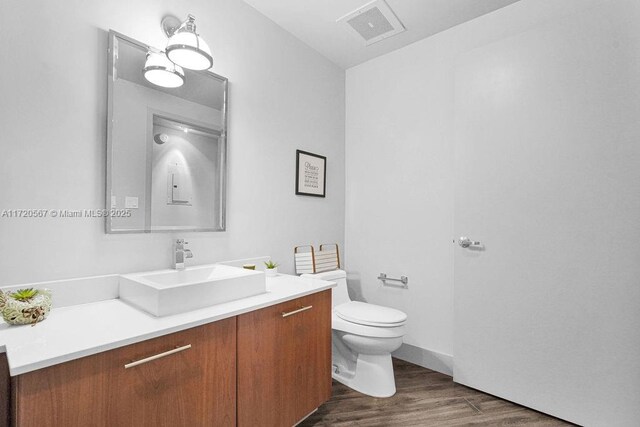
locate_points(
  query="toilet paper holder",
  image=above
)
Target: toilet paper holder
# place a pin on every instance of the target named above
(404, 280)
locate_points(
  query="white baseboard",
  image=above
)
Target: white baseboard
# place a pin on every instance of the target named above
(429, 359)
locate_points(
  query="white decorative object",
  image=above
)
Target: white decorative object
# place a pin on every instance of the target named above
(271, 272)
(271, 269)
(17, 310)
(312, 261)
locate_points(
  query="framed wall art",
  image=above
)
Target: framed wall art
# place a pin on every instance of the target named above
(311, 174)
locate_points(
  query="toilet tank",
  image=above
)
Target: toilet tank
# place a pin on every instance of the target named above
(339, 294)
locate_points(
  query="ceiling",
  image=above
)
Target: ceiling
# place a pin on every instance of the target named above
(314, 22)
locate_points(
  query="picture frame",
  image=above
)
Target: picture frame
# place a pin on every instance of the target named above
(311, 174)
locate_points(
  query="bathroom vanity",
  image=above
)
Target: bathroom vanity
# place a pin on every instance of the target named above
(262, 360)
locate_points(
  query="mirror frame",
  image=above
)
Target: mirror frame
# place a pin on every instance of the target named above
(221, 226)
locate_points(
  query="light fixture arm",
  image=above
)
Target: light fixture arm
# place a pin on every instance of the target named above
(171, 24)
(189, 24)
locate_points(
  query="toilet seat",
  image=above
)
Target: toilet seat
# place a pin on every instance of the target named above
(340, 325)
(362, 313)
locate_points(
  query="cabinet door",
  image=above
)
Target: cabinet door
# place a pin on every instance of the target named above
(5, 391)
(195, 386)
(284, 361)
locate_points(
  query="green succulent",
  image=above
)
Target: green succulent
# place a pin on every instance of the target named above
(24, 295)
(270, 264)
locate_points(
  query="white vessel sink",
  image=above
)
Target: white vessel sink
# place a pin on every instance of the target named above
(166, 292)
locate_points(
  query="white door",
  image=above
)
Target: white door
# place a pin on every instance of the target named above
(547, 307)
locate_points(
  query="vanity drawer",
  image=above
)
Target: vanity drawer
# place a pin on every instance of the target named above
(284, 361)
(185, 378)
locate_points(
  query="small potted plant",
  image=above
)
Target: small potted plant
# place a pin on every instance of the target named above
(25, 306)
(272, 269)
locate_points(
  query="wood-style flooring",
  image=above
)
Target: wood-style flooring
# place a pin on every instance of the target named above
(424, 398)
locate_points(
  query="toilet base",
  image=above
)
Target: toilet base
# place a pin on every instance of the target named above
(373, 375)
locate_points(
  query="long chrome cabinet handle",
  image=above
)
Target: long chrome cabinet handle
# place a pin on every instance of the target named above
(301, 309)
(157, 356)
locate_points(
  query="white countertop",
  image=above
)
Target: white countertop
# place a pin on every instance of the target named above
(77, 331)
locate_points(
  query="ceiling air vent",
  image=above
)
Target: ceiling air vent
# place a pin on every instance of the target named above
(374, 21)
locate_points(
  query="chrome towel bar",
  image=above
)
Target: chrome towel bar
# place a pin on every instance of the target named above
(403, 279)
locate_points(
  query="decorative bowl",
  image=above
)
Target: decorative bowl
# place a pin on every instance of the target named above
(25, 311)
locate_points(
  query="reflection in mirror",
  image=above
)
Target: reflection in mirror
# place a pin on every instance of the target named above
(166, 147)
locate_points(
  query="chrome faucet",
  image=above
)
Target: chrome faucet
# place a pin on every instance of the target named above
(180, 254)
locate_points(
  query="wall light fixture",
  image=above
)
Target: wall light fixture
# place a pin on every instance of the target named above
(162, 72)
(185, 47)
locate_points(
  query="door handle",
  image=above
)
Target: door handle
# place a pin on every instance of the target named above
(465, 242)
(157, 356)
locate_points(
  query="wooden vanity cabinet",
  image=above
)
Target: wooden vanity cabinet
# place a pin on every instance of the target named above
(5, 392)
(284, 361)
(269, 367)
(193, 386)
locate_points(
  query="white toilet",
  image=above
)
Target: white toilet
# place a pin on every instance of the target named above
(364, 335)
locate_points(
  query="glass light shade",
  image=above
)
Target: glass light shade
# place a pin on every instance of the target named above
(188, 50)
(162, 72)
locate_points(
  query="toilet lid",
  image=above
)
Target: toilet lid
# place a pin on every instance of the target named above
(369, 314)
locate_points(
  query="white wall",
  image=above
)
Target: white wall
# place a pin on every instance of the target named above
(283, 96)
(400, 172)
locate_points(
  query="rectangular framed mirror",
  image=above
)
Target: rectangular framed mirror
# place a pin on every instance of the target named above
(166, 146)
